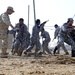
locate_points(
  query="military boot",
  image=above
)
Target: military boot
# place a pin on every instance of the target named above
(55, 50)
(73, 53)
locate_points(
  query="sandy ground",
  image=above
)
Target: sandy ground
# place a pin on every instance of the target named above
(46, 65)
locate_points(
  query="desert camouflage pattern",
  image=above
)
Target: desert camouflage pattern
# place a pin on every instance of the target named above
(4, 24)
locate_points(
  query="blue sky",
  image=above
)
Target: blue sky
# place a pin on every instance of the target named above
(57, 11)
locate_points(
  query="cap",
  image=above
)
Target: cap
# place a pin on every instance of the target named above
(21, 19)
(70, 19)
(55, 25)
(38, 20)
(10, 8)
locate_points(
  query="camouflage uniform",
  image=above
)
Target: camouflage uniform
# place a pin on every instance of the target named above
(19, 43)
(65, 37)
(35, 39)
(25, 42)
(47, 38)
(56, 34)
(4, 24)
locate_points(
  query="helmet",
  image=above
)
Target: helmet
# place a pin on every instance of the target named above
(70, 19)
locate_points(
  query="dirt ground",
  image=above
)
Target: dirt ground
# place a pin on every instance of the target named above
(46, 65)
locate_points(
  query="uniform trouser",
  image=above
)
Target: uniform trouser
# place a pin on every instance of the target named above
(67, 40)
(4, 39)
(63, 47)
(22, 46)
(12, 47)
(36, 44)
(27, 43)
(45, 47)
(16, 44)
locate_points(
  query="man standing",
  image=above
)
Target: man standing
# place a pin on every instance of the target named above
(56, 35)
(4, 24)
(45, 35)
(35, 39)
(65, 35)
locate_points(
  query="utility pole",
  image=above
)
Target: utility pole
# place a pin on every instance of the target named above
(34, 11)
(35, 23)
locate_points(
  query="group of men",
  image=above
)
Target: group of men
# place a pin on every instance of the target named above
(64, 36)
(56, 35)
(23, 41)
(35, 38)
(21, 35)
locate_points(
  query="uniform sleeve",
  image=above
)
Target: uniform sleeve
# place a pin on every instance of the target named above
(12, 32)
(41, 26)
(16, 28)
(65, 29)
(25, 27)
(6, 19)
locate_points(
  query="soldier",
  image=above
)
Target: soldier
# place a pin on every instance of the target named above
(35, 39)
(64, 35)
(25, 43)
(4, 24)
(56, 35)
(20, 36)
(45, 35)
